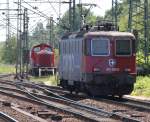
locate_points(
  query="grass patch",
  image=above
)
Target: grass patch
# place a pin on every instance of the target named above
(142, 86)
(4, 68)
(48, 80)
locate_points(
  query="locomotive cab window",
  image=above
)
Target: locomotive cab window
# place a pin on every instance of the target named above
(123, 47)
(100, 46)
(48, 49)
(36, 49)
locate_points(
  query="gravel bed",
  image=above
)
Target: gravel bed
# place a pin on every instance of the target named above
(16, 115)
(1, 120)
(32, 108)
(142, 116)
(72, 120)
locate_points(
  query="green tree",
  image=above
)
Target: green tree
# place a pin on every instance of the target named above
(9, 51)
(63, 25)
(122, 15)
(39, 35)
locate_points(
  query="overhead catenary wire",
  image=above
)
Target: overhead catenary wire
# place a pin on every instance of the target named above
(41, 15)
(53, 8)
(10, 23)
(37, 12)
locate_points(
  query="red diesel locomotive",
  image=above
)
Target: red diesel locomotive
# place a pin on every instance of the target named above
(42, 59)
(98, 62)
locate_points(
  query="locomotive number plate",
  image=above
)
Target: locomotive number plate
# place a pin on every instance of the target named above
(112, 69)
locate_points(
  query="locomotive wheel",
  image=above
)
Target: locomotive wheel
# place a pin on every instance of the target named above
(77, 87)
(120, 96)
(76, 91)
(93, 90)
(35, 72)
(70, 90)
(90, 93)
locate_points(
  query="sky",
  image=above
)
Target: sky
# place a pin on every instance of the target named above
(45, 8)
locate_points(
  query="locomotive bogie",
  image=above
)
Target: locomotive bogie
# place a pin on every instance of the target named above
(102, 84)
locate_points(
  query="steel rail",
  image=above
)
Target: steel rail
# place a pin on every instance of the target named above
(75, 103)
(7, 118)
(92, 109)
(128, 102)
(141, 105)
(144, 105)
(78, 105)
(138, 101)
(54, 105)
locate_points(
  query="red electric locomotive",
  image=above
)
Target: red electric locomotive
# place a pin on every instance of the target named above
(100, 61)
(42, 59)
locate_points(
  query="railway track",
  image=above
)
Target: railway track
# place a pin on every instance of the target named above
(93, 111)
(135, 104)
(56, 103)
(142, 105)
(56, 98)
(138, 104)
(6, 118)
(124, 118)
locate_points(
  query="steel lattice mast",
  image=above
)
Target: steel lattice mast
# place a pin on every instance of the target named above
(25, 45)
(139, 22)
(146, 31)
(72, 12)
(7, 22)
(22, 42)
(114, 12)
(18, 53)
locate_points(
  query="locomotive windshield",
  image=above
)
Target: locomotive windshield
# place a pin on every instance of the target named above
(48, 49)
(100, 46)
(123, 47)
(36, 49)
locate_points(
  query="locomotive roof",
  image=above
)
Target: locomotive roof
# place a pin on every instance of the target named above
(109, 33)
(97, 33)
(41, 44)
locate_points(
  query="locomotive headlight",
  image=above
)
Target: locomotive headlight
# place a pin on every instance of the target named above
(127, 69)
(96, 69)
(37, 64)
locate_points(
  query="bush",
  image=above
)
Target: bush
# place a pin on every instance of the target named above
(142, 86)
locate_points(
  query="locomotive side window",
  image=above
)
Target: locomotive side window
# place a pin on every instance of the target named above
(87, 47)
(64, 52)
(123, 47)
(74, 48)
(77, 44)
(63, 47)
(100, 46)
(36, 49)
